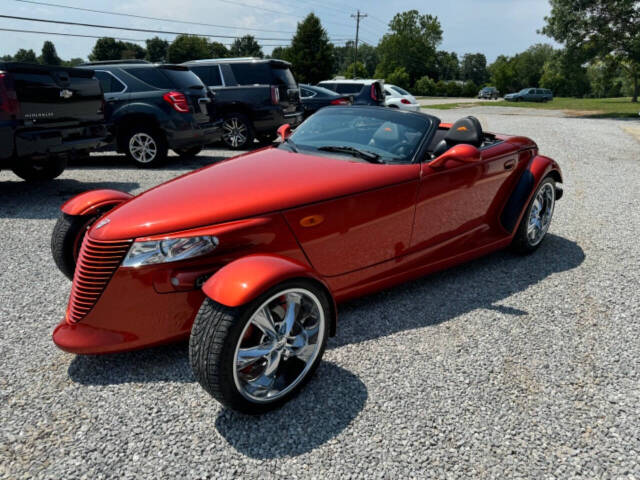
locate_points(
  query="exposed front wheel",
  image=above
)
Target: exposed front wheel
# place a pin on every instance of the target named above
(237, 132)
(39, 170)
(145, 147)
(537, 218)
(66, 240)
(256, 357)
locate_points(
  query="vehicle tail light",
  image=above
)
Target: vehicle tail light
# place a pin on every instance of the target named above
(97, 262)
(8, 97)
(178, 101)
(405, 101)
(340, 101)
(374, 96)
(275, 95)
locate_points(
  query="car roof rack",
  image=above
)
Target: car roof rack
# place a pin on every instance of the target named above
(115, 62)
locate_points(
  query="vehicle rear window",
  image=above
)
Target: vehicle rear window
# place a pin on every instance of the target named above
(110, 84)
(210, 75)
(151, 76)
(328, 86)
(400, 90)
(283, 76)
(251, 73)
(349, 87)
(182, 78)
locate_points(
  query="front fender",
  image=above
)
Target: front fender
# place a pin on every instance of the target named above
(539, 167)
(89, 202)
(243, 280)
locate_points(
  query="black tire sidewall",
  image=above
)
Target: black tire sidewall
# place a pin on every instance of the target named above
(28, 170)
(226, 391)
(66, 238)
(158, 136)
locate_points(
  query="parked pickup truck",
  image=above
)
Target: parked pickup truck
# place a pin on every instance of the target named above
(47, 114)
(254, 97)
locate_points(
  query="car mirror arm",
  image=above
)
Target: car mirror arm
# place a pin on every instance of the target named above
(460, 153)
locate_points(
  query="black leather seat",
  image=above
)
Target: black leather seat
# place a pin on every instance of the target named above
(466, 130)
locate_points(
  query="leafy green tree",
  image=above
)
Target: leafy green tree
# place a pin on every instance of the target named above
(132, 51)
(597, 28)
(7, 58)
(356, 70)
(441, 89)
(502, 74)
(604, 78)
(73, 62)
(188, 47)
(49, 55)
(107, 48)
(447, 65)
(564, 76)
(399, 77)
(157, 49)
(454, 89)
(528, 65)
(474, 68)
(469, 89)
(425, 86)
(411, 43)
(311, 53)
(218, 50)
(246, 46)
(25, 56)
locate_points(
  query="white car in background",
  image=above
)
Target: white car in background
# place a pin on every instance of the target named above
(396, 97)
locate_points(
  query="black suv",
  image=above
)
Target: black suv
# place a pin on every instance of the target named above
(150, 108)
(254, 97)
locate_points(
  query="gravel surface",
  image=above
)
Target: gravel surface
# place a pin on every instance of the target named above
(508, 367)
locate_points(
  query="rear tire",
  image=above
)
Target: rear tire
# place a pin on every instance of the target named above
(40, 170)
(284, 362)
(188, 152)
(146, 147)
(237, 131)
(66, 240)
(537, 218)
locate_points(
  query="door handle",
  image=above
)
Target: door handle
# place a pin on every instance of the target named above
(509, 164)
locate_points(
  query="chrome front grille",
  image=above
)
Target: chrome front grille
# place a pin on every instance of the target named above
(97, 262)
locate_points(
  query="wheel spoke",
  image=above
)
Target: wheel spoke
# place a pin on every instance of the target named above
(273, 362)
(293, 301)
(263, 319)
(248, 356)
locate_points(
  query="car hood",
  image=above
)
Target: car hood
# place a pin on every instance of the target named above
(263, 181)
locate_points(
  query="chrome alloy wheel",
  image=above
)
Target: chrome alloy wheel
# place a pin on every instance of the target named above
(540, 214)
(234, 132)
(143, 147)
(278, 345)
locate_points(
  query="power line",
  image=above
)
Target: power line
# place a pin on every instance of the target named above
(131, 29)
(116, 38)
(173, 20)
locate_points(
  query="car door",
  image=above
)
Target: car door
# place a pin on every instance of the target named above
(455, 205)
(356, 231)
(116, 95)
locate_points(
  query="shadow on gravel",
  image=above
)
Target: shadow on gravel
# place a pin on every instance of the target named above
(43, 200)
(324, 408)
(443, 296)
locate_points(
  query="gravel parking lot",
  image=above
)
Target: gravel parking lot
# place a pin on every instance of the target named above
(508, 367)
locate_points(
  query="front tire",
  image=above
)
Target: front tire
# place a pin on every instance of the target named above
(256, 357)
(40, 170)
(66, 240)
(145, 147)
(537, 218)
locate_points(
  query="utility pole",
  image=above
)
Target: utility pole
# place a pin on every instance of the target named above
(357, 16)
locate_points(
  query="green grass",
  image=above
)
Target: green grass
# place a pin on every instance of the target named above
(585, 107)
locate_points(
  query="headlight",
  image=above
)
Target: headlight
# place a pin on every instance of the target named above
(168, 250)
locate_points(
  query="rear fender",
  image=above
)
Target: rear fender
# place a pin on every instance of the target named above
(538, 169)
(243, 280)
(93, 200)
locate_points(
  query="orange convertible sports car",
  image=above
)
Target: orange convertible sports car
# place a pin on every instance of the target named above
(249, 257)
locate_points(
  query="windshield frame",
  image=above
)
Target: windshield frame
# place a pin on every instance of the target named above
(419, 150)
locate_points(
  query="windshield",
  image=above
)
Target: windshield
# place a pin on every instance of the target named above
(524, 90)
(400, 90)
(389, 135)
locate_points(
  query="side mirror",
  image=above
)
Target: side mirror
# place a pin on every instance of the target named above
(284, 131)
(460, 153)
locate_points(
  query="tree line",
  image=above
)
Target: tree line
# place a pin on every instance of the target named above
(600, 57)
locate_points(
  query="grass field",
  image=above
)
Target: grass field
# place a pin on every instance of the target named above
(588, 107)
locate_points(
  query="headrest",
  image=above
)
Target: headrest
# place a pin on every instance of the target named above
(466, 130)
(387, 132)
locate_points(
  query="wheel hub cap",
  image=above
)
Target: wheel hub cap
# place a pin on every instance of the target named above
(143, 148)
(234, 132)
(541, 213)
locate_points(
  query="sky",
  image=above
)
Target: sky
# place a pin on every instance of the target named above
(492, 27)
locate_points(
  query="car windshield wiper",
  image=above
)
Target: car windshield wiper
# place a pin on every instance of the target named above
(356, 152)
